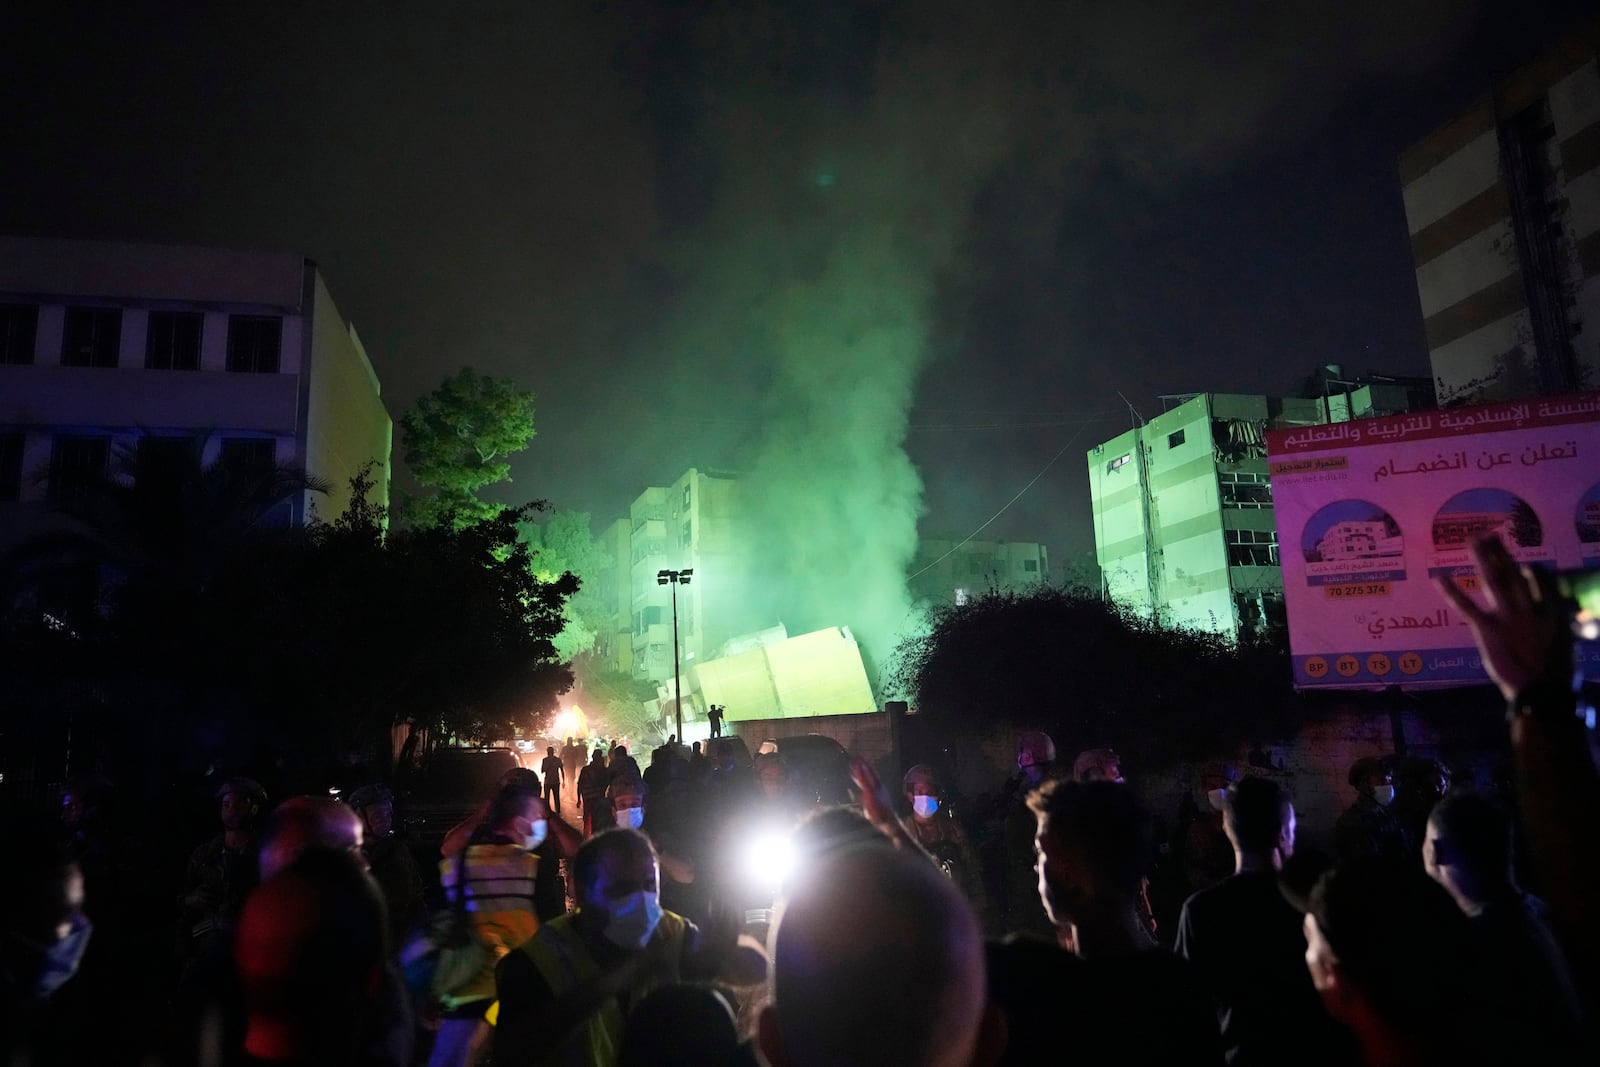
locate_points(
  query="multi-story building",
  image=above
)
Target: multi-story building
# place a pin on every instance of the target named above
(948, 570)
(685, 525)
(1503, 206)
(1183, 523)
(105, 346)
(614, 586)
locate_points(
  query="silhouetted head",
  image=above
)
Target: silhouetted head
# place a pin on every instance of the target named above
(1386, 944)
(1468, 849)
(1036, 755)
(680, 1026)
(300, 823)
(855, 936)
(1094, 844)
(1259, 819)
(1097, 765)
(309, 952)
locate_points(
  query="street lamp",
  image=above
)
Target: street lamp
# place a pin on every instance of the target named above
(675, 579)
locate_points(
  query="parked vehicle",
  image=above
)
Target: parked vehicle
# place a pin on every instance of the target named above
(449, 787)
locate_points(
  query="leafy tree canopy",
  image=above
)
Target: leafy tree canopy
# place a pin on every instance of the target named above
(458, 440)
(1087, 673)
(615, 701)
(563, 544)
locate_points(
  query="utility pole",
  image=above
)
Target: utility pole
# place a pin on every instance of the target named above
(675, 579)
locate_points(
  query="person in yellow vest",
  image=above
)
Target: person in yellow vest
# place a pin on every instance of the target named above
(495, 876)
(565, 994)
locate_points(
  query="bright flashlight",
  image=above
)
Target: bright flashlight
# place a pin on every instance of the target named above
(768, 858)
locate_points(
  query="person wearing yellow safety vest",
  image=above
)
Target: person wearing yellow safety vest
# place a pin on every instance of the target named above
(565, 993)
(490, 875)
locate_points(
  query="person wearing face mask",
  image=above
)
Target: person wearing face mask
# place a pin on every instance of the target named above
(626, 795)
(1368, 828)
(941, 834)
(566, 993)
(494, 876)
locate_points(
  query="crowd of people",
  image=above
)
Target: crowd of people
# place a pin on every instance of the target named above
(1050, 925)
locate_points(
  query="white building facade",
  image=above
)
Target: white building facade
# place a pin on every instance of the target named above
(105, 346)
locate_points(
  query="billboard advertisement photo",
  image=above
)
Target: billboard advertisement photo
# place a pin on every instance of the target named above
(1370, 511)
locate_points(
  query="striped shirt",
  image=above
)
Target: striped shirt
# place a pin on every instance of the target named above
(499, 898)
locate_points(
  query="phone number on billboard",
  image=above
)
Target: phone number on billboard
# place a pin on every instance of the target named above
(1345, 592)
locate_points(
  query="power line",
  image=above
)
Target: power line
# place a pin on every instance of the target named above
(1061, 452)
(1081, 420)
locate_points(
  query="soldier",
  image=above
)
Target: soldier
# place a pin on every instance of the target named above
(1368, 827)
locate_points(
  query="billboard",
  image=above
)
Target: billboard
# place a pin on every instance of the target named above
(1369, 511)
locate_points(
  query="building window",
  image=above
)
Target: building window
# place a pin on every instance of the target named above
(164, 464)
(10, 466)
(249, 455)
(254, 342)
(19, 327)
(1251, 548)
(1119, 462)
(1175, 438)
(1244, 489)
(77, 464)
(687, 533)
(173, 341)
(1030, 565)
(686, 498)
(92, 337)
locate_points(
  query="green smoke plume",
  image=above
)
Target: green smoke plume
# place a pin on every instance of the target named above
(815, 277)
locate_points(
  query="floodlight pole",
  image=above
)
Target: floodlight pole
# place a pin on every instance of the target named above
(675, 579)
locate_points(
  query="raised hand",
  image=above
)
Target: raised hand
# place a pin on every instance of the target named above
(1522, 630)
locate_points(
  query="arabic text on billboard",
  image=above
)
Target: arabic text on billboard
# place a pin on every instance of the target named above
(1369, 511)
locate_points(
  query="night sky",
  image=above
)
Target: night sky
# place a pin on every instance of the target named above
(597, 200)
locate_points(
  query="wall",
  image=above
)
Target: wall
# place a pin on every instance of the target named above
(347, 424)
(866, 736)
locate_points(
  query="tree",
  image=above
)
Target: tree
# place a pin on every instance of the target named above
(1088, 673)
(435, 627)
(314, 644)
(617, 700)
(132, 612)
(458, 439)
(565, 545)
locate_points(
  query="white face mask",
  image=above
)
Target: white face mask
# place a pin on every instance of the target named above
(1218, 799)
(631, 818)
(633, 919)
(924, 806)
(537, 830)
(1383, 794)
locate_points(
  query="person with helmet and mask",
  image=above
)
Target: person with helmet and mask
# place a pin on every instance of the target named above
(394, 868)
(223, 870)
(941, 834)
(1368, 828)
(1019, 885)
(565, 994)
